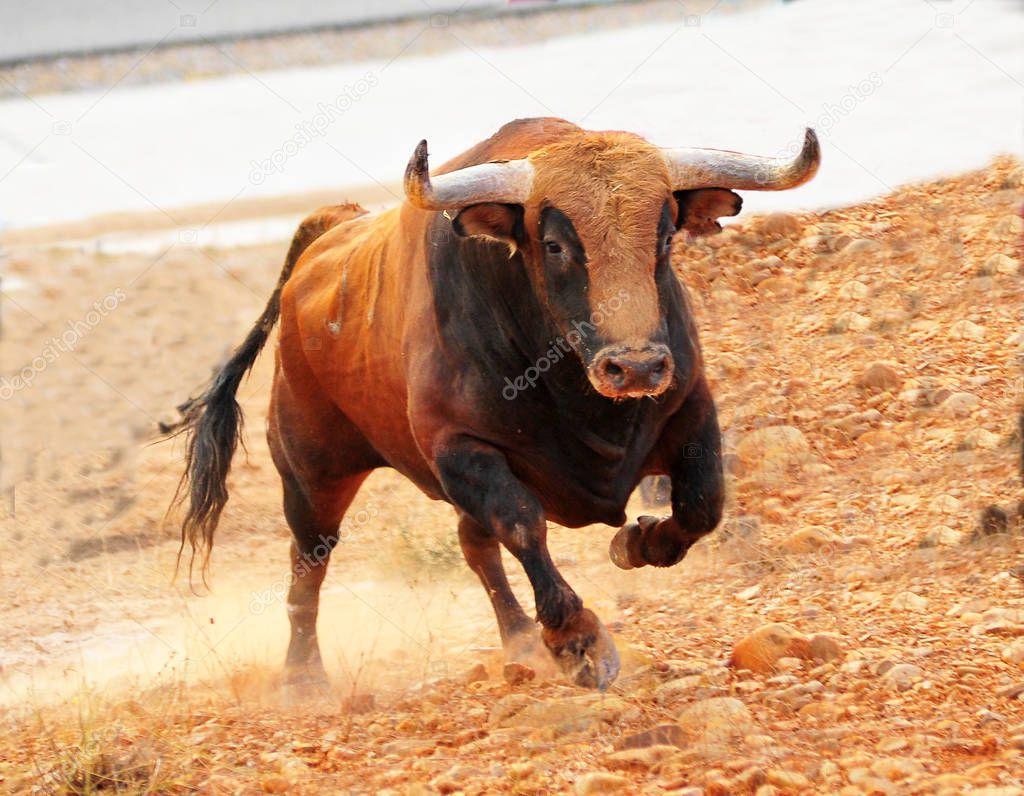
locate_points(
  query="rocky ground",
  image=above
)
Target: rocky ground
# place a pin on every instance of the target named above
(853, 627)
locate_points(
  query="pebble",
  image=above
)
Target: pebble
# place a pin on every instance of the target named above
(1000, 264)
(661, 735)
(787, 780)
(853, 290)
(517, 673)
(781, 225)
(811, 540)
(477, 674)
(861, 246)
(645, 757)
(967, 330)
(1014, 652)
(879, 377)
(761, 650)
(909, 601)
(850, 322)
(901, 676)
(941, 535)
(980, 438)
(961, 404)
(716, 720)
(675, 689)
(825, 648)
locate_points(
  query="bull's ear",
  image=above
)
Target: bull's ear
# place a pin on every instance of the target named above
(491, 220)
(700, 209)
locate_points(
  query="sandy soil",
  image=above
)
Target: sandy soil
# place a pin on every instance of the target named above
(854, 497)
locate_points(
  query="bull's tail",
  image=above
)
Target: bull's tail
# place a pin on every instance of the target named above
(212, 421)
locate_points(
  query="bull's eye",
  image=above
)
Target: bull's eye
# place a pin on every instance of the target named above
(552, 247)
(666, 245)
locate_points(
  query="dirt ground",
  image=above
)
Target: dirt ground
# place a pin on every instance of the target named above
(867, 365)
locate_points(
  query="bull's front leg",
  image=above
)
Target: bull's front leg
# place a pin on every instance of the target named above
(692, 446)
(476, 477)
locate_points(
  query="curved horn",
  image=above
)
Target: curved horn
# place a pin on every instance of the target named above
(507, 182)
(718, 168)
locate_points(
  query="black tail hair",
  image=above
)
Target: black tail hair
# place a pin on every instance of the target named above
(213, 421)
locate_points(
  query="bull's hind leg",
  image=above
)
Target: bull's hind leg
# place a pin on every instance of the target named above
(322, 459)
(314, 516)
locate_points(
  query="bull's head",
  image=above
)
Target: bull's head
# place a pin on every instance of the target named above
(593, 216)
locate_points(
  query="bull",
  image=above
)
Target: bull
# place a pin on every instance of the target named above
(512, 338)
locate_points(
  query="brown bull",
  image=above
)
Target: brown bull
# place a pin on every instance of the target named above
(512, 339)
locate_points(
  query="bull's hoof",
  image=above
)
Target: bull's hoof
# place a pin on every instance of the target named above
(304, 685)
(584, 650)
(625, 548)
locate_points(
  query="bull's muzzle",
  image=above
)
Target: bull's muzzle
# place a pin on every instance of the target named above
(629, 372)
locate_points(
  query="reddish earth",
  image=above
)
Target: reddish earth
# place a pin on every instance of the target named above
(867, 364)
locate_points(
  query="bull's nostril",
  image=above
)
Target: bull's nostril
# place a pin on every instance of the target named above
(659, 369)
(613, 370)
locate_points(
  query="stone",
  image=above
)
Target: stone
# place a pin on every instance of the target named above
(861, 246)
(1001, 264)
(567, 715)
(901, 676)
(661, 735)
(850, 322)
(773, 448)
(980, 438)
(1014, 652)
(811, 540)
(675, 689)
(879, 377)
(477, 674)
(644, 757)
(941, 535)
(967, 330)
(909, 601)
(788, 780)
(853, 290)
(961, 404)
(781, 225)
(944, 504)
(825, 648)
(597, 782)
(896, 768)
(761, 650)
(716, 720)
(517, 673)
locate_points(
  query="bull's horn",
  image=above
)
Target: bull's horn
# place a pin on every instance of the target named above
(718, 168)
(506, 182)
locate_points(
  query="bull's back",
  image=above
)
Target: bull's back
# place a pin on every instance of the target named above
(342, 317)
